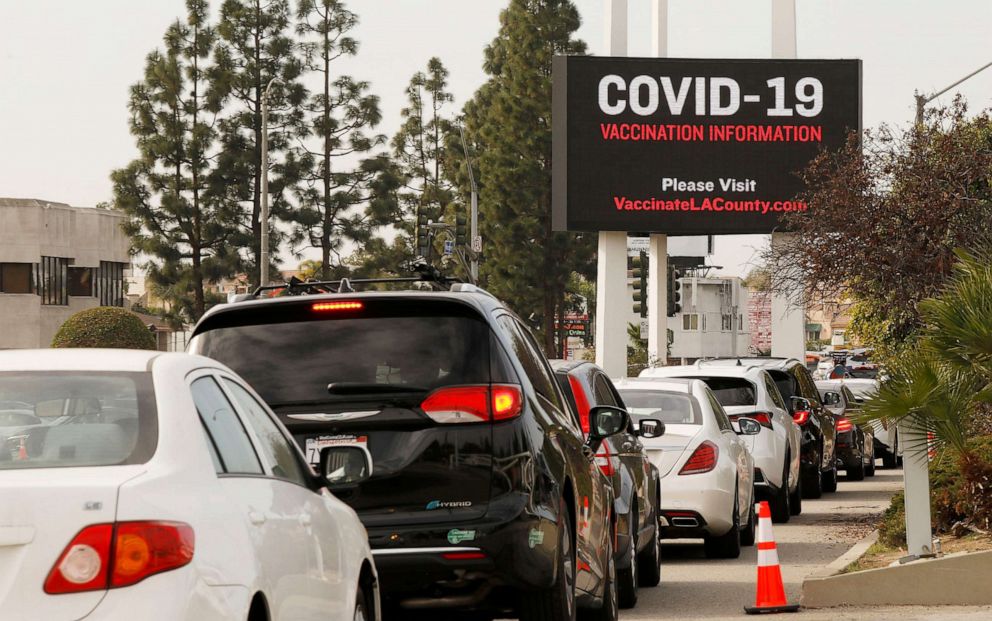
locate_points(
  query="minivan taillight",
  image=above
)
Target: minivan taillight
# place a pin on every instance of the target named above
(604, 461)
(801, 417)
(140, 549)
(703, 459)
(844, 424)
(763, 418)
(473, 404)
(581, 402)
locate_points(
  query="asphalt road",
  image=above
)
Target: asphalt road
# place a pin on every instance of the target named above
(694, 587)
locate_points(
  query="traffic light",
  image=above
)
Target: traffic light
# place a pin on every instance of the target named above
(674, 297)
(638, 272)
(423, 234)
(461, 231)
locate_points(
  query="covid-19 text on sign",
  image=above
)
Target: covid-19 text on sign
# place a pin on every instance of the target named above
(691, 147)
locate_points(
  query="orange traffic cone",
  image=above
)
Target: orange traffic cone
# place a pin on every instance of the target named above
(771, 592)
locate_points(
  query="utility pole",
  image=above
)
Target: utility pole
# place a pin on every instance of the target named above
(476, 247)
(263, 255)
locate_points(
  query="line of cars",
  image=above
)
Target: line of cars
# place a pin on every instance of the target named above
(381, 454)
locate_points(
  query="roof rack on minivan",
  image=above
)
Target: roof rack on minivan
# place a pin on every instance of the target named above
(295, 286)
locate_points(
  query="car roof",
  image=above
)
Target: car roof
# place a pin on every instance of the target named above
(672, 384)
(767, 362)
(469, 295)
(567, 366)
(695, 370)
(77, 359)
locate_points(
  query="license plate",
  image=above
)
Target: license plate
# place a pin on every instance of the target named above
(315, 445)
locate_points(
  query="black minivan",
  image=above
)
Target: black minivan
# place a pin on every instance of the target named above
(477, 488)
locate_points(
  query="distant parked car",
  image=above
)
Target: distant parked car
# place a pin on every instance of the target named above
(855, 442)
(636, 482)
(749, 391)
(886, 438)
(707, 484)
(189, 501)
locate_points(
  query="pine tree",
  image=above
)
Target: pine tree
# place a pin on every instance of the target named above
(171, 216)
(347, 190)
(509, 122)
(257, 47)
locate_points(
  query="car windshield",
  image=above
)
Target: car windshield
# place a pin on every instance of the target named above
(731, 391)
(672, 408)
(66, 419)
(392, 351)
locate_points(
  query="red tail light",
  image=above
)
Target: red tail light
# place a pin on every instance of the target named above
(474, 404)
(604, 460)
(763, 418)
(703, 459)
(463, 556)
(342, 305)
(801, 417)
(581, 402)
(844, 424)
(141, 549)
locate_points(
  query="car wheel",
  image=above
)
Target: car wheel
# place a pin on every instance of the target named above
(627, 578)
(610, 610)
(747, 535)
(830, 480)
(649, 560)
(796, 498)
(813, 482)
(889, 461)
(728, 545)
(558, 602)
(781, 511)
(361, 607)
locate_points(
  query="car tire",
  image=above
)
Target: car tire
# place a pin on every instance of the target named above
(649, 560)
(610, 610)
(558, 602)
(780, 502)
(627, 578)
(889, 461)
(870, 466)
(361, 607)
(796, 498)
(748, 534)
(812, 481)
(830, 480)
(728, 545)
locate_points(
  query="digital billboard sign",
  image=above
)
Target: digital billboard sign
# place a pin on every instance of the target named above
(692, 146)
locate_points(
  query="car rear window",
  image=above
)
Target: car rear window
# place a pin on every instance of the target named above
(672, 408)
(57, 419)
(290, 355)
(732, 390)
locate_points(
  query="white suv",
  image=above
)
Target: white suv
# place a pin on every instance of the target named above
(750, 391)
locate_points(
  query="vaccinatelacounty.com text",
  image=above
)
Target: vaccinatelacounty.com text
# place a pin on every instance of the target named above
(622, 203)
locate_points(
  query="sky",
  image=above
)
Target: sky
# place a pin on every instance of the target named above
(66, 65)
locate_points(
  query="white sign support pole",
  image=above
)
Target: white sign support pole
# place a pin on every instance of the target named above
(657, 293)
(611, 272)
(788, 319)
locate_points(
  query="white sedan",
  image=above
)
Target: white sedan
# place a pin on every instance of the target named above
(707, 484)
(159, 486)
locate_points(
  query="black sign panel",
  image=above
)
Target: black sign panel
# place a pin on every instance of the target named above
(692, 147)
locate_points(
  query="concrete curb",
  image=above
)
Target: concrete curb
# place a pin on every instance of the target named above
(956, 579)
(845, 559)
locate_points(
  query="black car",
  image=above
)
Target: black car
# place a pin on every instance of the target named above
(636, 482)
(818, 465)
(855, 442)
(477, 488)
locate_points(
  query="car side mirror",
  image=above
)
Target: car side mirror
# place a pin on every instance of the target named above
(606, 421)
(831, 398)
(651, 428)
(344, 466)
(747, 426)
(800, 404)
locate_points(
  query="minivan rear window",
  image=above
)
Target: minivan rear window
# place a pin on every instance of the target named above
(405, 346)
(55, 419)
(730, 391)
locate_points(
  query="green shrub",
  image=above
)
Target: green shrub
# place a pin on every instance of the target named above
(892, 529)
(104, 326)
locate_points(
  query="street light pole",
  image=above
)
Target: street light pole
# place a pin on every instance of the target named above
(263, 258)
(923, 100)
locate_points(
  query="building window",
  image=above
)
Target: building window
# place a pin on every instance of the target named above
(690, 322)
(110, 283)
(16, 278)
(726, 323)
(53, 276)
(81, 281)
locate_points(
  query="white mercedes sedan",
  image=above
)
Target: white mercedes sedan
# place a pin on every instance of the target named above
(707, 472)
(159, 486)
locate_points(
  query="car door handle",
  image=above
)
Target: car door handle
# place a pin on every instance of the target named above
(256, 518)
